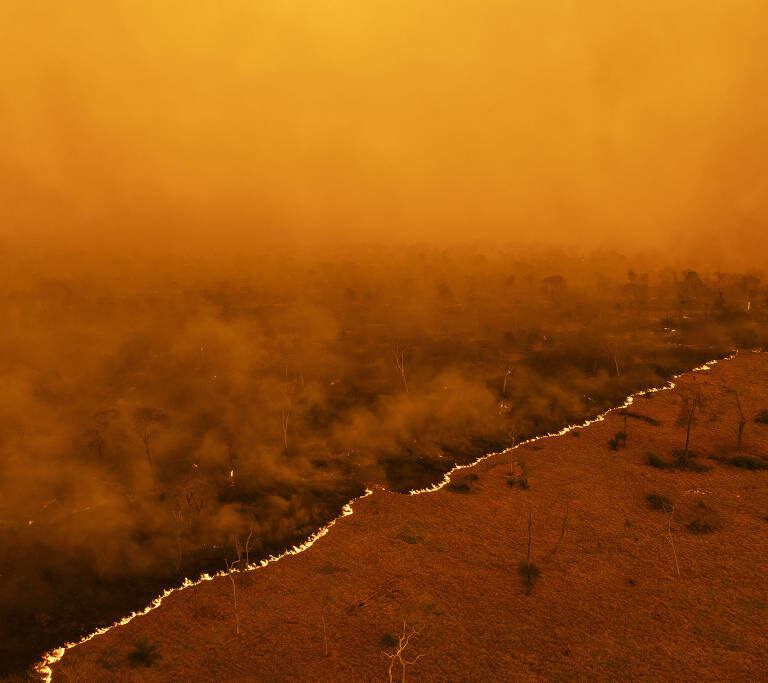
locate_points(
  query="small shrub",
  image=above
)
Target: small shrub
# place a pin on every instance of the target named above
(748, 462)
(463, 486)
(388, 640)
(703, 520)
(698, 527)
(619, 440)
(762, 417)
(642, 418)
(658, 502)
(144, 653)
(680, 463)
(522, 482)
(457, 487)
(530, 572)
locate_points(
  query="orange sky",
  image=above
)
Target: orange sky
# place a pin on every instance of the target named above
(170, 121)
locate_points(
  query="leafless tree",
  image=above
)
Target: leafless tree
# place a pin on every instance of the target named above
(671, 540)
(231, 574)
(507, 373)
(145, 420)
(742, 419)
(562, 532)
(397, 656)
(322, 618)
(178, 518)
(398, 358)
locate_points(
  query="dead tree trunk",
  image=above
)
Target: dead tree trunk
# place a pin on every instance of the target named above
(688, 429)
(742, 420)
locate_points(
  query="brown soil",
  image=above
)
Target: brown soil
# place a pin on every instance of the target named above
(608, 603)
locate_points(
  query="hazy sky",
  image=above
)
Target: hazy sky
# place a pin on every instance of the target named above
(168, 121)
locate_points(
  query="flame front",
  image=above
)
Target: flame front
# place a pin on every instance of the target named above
(53, 656)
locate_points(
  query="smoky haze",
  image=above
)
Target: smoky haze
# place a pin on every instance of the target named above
(171, 125)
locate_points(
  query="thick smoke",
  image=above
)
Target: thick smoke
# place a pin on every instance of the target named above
(165, 126)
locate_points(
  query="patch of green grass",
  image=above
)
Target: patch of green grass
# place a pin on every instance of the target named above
(658, 502)
(144, 653)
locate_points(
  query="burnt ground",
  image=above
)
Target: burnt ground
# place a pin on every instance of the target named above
(609, 600)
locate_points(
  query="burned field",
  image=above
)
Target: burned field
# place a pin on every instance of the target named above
(154, 427)
(601, 566)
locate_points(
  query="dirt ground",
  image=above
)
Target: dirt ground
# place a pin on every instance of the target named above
(609, 601)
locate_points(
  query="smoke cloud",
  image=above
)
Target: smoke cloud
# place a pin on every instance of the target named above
(183, 127)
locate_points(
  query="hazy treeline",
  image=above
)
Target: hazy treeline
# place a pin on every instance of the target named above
(149, 416)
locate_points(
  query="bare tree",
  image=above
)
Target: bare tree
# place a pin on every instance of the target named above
(101, 421)
(507, 373)
(289, 388)
(231, 574)
(688, 412)
(145, 420)
(322, 618)
(398, 358)
(178, 518)
(671, 541)
(562, 533)
(742, 419)
(397, 655)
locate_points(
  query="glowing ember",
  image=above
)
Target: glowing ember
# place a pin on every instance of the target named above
(54, 656)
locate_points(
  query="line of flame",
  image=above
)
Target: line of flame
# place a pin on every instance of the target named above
(53, 656)
(599, 418)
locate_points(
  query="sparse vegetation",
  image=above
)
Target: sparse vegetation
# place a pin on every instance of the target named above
(398, 655)
(680, 462)
(748, 462)
(463, 485)
(702, 519)
(656, 501)
(617, 441)
(262, 399)
(643, 418)
(144, 653)
(762, 417)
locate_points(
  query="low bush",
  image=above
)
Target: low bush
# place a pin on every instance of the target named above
(762, 417)
(680, 463)
(748, 462)
(530, 572)
(619, 440)
(144, 653)
(658, 502)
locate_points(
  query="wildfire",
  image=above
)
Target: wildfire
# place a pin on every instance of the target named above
(53, 656)
(599, 418)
